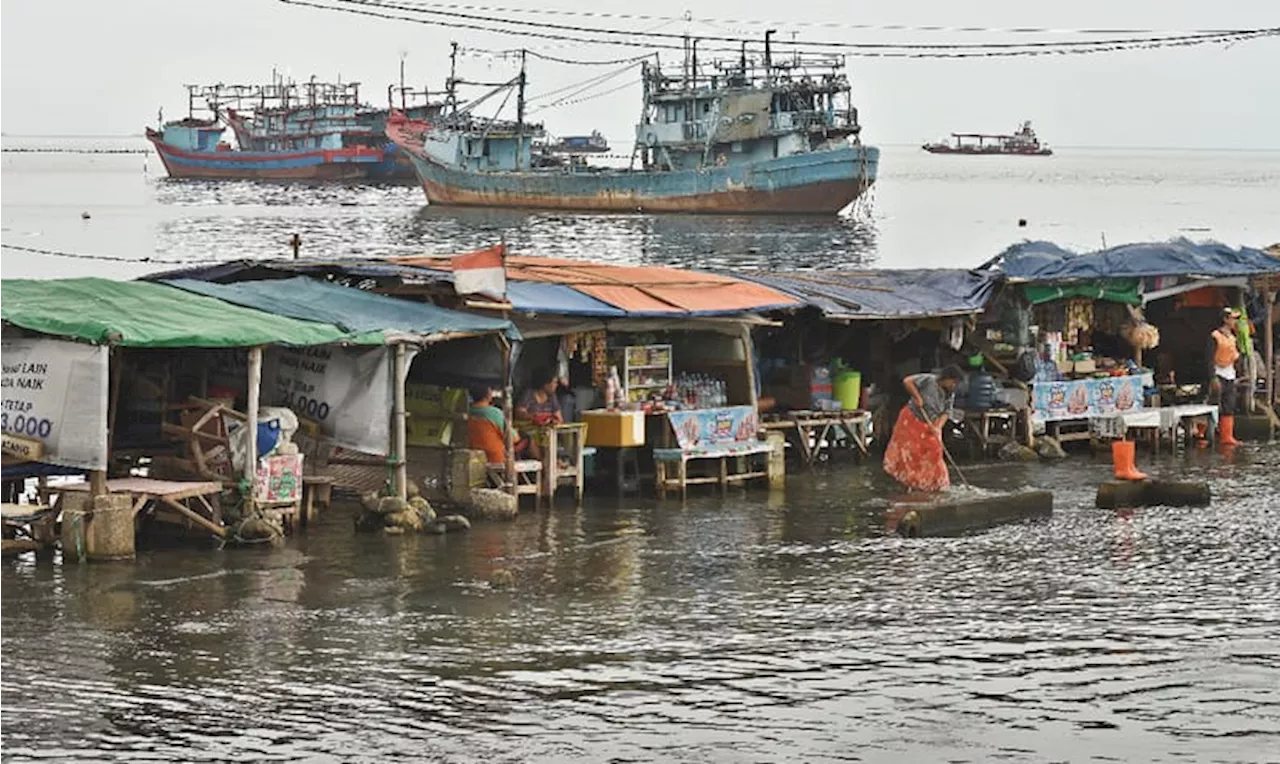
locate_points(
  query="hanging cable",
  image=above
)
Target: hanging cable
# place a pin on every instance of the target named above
(106, 258)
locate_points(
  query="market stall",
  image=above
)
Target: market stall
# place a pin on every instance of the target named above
(1124, 331)
(831, 375)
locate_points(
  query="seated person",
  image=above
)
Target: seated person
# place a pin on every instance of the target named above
(487, 427)
(539, 406)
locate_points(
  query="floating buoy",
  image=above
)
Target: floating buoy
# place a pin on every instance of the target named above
(84, 215)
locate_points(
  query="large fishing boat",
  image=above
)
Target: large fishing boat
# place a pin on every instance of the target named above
(1023, 142)
(748, 136)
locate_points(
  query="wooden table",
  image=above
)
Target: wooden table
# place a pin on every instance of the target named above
(816, 430)
(1009, 420)
(572, 437)
(171, 494)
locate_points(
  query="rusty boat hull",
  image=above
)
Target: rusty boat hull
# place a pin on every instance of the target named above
(814, 183)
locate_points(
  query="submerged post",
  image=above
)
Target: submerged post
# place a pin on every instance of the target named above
(251, 413)
(398, 434)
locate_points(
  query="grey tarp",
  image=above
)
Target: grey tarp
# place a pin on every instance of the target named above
(884, 294)
(1044, 262)
(305, 298)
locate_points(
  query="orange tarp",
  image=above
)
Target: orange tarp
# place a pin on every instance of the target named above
(637, 289)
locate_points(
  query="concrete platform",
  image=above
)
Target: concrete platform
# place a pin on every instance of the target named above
(1115, 494)
(951, 516)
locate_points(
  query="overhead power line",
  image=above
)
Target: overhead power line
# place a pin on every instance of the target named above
(628, 38)
(424, 8)
(689, 18)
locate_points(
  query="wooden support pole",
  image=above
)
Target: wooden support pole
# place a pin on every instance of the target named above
(399, 436)
(251, 408)
(508, 412)
(748, 352)
(1269, 341)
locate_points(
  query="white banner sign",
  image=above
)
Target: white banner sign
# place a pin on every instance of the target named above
(346, 390)
(55, 392)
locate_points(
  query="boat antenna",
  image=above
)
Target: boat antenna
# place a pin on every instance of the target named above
(742, 62)
(402, 102)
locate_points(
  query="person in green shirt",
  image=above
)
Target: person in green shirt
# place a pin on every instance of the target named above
(482, 406)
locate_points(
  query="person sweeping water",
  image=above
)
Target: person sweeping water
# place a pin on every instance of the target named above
(915, 456)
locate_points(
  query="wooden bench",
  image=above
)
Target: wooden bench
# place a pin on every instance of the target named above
(528, 479)
(715, 435)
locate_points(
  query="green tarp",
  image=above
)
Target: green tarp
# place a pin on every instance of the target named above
(1113, 290)
(353, 309)
(146, 315)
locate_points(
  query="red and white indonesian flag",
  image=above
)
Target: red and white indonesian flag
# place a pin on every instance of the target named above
(483, 272)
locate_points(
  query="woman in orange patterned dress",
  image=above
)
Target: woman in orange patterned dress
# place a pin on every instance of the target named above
(915, 453)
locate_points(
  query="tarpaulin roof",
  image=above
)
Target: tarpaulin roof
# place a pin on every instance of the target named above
(884, 294)
(351, 309)
(636, 291)
(141, 314)
(1046, 262)
(255, 270)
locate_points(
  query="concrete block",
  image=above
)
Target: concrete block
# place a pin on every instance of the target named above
(951, 516)
(1114, 494)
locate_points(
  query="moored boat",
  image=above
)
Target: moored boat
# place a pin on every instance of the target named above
(755, 136)
(292, 131)
(1021, 142)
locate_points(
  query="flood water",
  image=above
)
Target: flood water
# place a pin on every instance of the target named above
(754, 628)
(751, 628)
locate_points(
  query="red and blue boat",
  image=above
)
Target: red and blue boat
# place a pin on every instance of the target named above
(285, 131)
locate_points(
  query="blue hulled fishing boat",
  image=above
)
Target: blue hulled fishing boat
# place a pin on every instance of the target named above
(750, 136)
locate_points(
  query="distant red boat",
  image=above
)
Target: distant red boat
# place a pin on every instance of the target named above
(1023, 142)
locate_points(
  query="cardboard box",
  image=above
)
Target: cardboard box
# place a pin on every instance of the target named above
(1086, 367)
(614, 429)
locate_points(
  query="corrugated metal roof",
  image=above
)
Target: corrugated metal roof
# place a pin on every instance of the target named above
(636, 290)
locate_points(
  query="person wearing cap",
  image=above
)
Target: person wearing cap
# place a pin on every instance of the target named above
(1223, 353)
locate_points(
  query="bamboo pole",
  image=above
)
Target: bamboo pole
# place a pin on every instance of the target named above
(398, 433)
(251, 408)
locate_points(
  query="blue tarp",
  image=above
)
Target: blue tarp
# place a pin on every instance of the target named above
(1042, 261)
(354, 310)
(557, 300)
(882, 294)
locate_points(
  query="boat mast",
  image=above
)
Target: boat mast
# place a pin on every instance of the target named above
(452, 98)
(520, 112)
(768, 56)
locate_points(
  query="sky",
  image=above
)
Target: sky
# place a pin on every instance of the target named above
(104, 67)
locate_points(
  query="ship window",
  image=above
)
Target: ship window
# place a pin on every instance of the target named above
(706, 107)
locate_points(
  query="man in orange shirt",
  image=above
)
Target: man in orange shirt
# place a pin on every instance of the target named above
(1222, 353)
